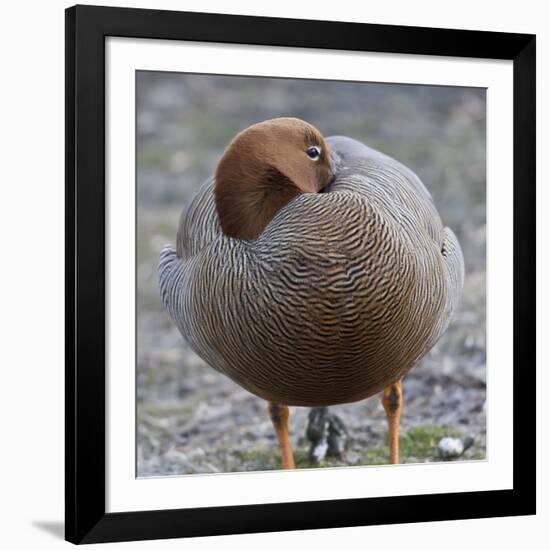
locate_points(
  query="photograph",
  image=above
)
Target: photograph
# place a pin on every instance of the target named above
(300, 274)
(310, 273)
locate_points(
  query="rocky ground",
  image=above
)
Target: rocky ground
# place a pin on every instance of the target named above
(191, 419)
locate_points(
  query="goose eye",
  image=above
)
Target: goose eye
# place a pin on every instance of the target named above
(313, 152)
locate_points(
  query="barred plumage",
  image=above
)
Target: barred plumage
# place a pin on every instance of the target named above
(342, 293)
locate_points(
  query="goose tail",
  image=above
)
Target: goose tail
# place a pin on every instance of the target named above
(455, 266)
(454, 260)
(167, 275)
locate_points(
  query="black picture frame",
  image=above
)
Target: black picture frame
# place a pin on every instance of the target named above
(86, 30)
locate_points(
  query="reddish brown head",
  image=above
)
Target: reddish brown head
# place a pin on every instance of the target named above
(263, 168)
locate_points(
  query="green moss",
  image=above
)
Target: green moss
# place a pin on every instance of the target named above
(267, 458)
(155, 410)
(302, 460)
(474, 453)
(259, 458)
(419, 444)
(375, 456)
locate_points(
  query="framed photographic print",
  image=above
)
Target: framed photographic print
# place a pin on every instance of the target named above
(300, 274)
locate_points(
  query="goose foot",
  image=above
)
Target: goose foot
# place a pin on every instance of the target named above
(327, 434)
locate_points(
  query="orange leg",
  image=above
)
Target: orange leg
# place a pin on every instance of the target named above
(392, 401)
(279, 417)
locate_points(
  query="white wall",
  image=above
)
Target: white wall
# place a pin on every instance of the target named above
(31, 299)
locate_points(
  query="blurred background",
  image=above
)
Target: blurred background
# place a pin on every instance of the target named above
(190, 418)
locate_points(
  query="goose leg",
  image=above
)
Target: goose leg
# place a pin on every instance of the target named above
(392, 401)
(279, 418)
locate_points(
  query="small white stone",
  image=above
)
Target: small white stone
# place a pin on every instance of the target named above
(450, 447)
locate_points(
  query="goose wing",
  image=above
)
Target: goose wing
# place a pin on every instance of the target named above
(402, 196)
(388, 184)
(198, 227)
(199, 224)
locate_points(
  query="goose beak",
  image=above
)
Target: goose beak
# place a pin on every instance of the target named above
(327, 186)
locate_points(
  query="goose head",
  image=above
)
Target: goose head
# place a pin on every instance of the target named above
(263, 168)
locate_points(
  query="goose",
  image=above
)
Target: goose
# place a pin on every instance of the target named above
(312, 272)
